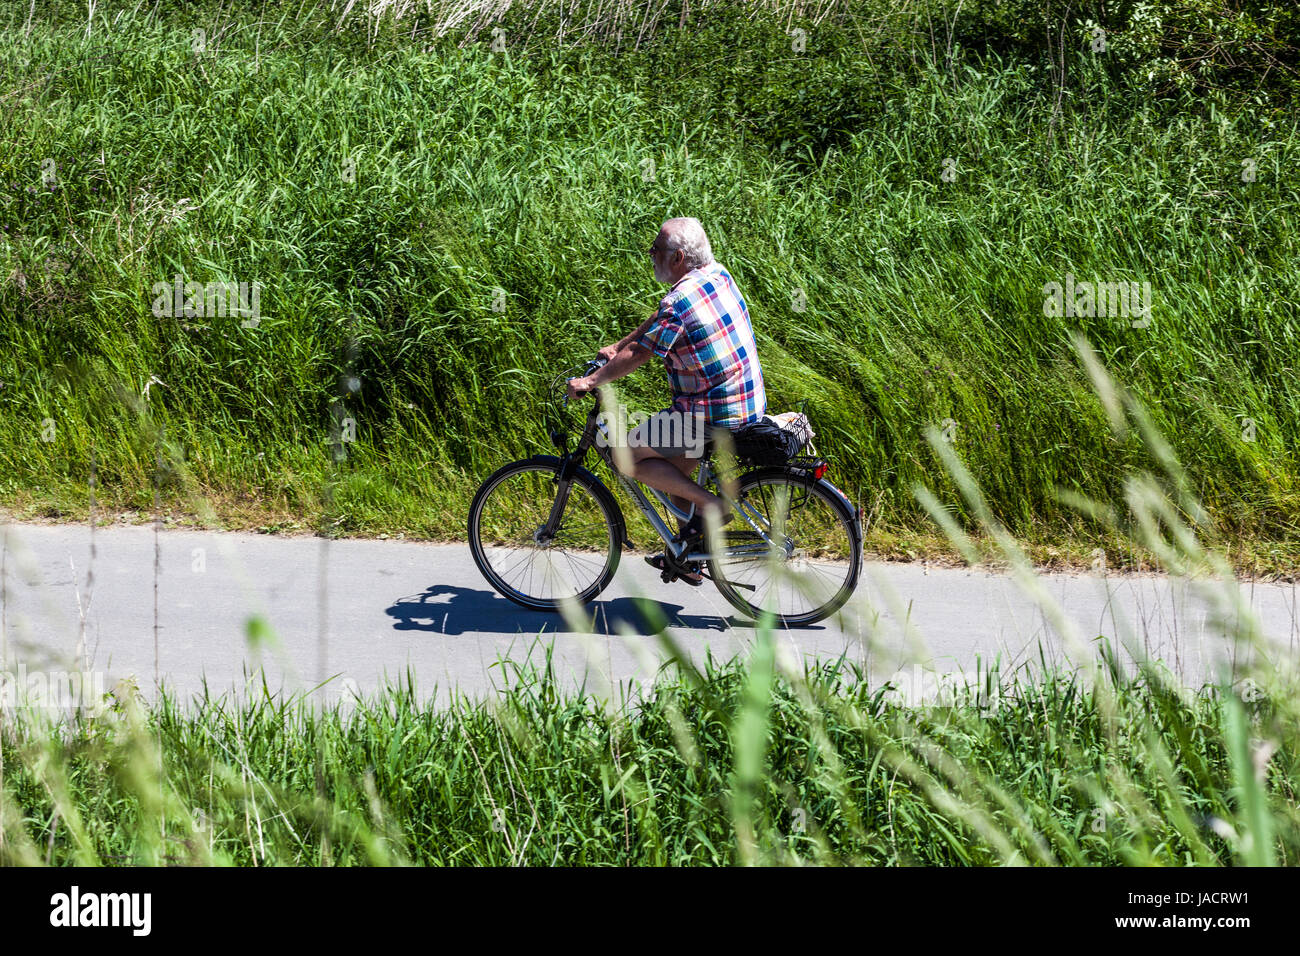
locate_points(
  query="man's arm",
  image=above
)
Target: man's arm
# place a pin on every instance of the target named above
(609, 351)
(626, 361)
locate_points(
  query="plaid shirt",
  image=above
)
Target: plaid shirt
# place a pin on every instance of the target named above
(703, 334)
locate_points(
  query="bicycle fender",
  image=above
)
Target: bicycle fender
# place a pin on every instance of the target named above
(573, 468)
(853, 508)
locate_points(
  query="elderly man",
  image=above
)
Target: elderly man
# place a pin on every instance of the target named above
(701, 330)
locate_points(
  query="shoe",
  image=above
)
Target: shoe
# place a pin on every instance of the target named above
(660, 563)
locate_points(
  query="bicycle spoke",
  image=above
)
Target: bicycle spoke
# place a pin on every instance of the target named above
(530, 566)
(789, 582)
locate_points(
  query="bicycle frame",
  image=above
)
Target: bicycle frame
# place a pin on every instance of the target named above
(572, 459)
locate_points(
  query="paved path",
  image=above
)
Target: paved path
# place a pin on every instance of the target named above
(393, 607)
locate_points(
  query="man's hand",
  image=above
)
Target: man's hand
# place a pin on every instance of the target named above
(627, 360)
(608, 352)
(577, 386)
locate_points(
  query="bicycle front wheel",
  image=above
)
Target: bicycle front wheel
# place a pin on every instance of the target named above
(521, 559)
(805, 564)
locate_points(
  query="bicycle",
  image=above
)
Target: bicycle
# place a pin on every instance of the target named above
(545, 530)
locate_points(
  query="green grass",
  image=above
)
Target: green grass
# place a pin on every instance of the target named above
(525, 172)
(733, 764)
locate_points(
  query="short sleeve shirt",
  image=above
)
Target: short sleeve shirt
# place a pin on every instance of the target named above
(702, 333)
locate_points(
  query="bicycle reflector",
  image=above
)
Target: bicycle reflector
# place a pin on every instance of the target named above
(819, 471)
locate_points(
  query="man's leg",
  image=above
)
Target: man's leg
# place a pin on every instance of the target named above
(660, 460)
(672, 476)
(687, 466)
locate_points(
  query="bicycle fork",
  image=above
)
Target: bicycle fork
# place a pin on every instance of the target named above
(568, 465)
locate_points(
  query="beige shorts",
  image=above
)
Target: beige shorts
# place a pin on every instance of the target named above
(672, 434)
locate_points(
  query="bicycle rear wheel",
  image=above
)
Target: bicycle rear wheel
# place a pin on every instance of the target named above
(507, 536)
(812, 567)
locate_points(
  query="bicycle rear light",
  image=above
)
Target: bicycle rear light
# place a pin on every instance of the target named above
(819, 471)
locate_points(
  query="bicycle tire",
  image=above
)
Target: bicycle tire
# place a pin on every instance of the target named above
(584, 482)
(824, 492)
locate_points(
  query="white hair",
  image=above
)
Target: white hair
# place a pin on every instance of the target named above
(687, 234)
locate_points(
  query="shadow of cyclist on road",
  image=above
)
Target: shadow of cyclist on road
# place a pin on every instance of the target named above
(448, 609)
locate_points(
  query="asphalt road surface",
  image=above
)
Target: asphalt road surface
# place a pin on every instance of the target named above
(359, 612)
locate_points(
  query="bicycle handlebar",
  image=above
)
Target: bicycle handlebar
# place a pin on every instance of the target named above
(590, 367)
